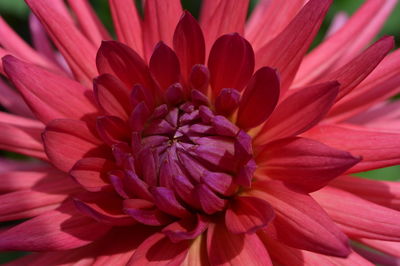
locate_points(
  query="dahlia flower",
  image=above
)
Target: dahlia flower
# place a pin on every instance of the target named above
(200, 143)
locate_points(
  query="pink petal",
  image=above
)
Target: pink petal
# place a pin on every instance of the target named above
(358, 217)
(127, 24)
(298, 112)
(385, 193)
(354, 36)
(61, 229)
(300, 222)
(67, 141)
(42, 197)
(351, 74)
(225, 248)
(89, 22)
(91, 173)
(303, 163)
(77, 50)
(12, 101)
(148, 253)
(164, 66)
(145, 212)
(388, 247)
(112, 129)
(263, 14)
(189, 44)
(259, 99)
(286, 51)
(49, 95)
(197, 254)
(160, 20)
(220, 17)
(122, 62)
(186, 229)
(377, 149)
(231, 63)
(248, 215)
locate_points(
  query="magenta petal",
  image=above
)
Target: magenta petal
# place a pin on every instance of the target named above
(259, 98)
(165, 200)
(139, 116)
(219, 182)
(209, 201)
(189, 44)
(164, 65)
(227, 101)
(231, 63)
(248, 215)
(184, 229)
(159, 250)
(199, 78)
(145, 212)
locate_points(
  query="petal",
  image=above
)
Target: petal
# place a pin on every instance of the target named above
(91, 173)
(300, 222)
(231, 63)
(165, 200)
(377, 148)
(351, 74)
(145, 212)
(220, 17)
(185, 229)
(286, 51)
(354, 36)
(248, 215)
(298, 112)
(225, 248)
(61, 229)
(189, 44)
(113, 130)
(197, 254)
(358, 217)
(148, 253)
(77, 50)
(164, 66)
(259, 99)
(122, 62)
(388, 247)
(67, 141)
(12, 100)
(160, 20)
(127, 24)
(49, 95)
(303, 163)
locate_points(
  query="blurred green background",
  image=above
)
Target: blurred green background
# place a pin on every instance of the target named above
(16, 14)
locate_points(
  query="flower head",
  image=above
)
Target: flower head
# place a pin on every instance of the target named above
(189, 143)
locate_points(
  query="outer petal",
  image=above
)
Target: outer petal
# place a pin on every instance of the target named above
(197, 254)
(303, 163)
(359, 217)
(298, 112)
(12, 101)
(64, 228)
(286, 51)
(67, 141)
(378, 149)
(220, 17)
(160, 19)
(259, 99)
(388, 247)
(300, 222)
(225, 248)
(77, 50)
(148, 253)
(231, 63)
(49, 96)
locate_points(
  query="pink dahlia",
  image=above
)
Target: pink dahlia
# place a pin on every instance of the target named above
(189, 144)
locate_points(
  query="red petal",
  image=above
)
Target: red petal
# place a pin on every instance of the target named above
(225, 248)
(148, 253)
(359, 217)
(231, 63)
(259, 99)
(220, 17)
(186, 229)
(378, 149)
(60, 229)
(67, 141)
(127, 24)
(248, 215)
(113, 129)
(49, 96)
(298, 112)
(300, 222)
(145, 212)
(164, 66)
(303, 163)
(121, 61)
(286, 51)
(189, 44)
